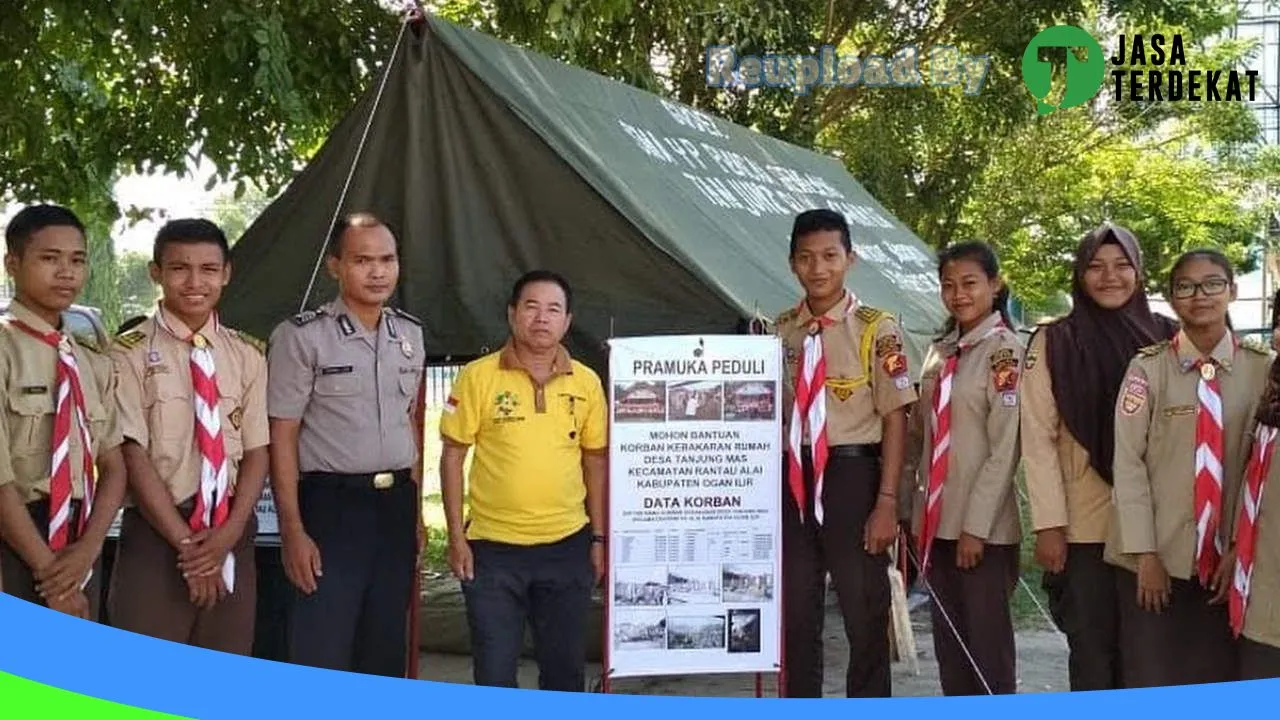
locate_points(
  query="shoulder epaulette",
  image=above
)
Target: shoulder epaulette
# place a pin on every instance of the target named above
(251, 340)
(130, 339)
(131, 323)
(90, 344)
(869, 314)
(402, 314)
(306, 316)
(787, 316)
(1153, 350)
(1254, 344)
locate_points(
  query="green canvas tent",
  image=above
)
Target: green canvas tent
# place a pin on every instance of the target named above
(488, 160)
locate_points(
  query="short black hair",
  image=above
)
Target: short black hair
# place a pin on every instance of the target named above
(350, 220)
(189, 231)
(534, 276)
(819, 220)
(34, 218)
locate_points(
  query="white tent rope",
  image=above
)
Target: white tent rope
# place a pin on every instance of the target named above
(1032, 594)
(354, 162)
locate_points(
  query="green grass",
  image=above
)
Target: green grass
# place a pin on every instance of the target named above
(1025, 613)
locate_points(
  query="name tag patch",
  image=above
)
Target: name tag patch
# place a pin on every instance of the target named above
(35, 390)
(337, 370)
(1180, 410)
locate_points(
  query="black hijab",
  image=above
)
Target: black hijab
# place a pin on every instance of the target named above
(1089, 350)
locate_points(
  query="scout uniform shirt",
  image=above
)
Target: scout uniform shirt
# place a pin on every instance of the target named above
(526, 483)
(1156, 445)
(1262, 615)
(354, 389)
(157, 398)
(1063, 489)
(28, 367)
(978, 494)
(867, 373)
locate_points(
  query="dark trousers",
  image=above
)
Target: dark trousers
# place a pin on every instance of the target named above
(809, 552)
(17, 578)
(974, 605)
(1085, 607)
(149, 596)
(1188, 644)
(1258, 661)
(357, 618)
(547, 586)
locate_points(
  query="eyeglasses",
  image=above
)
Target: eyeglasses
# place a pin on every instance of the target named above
(1213, 286)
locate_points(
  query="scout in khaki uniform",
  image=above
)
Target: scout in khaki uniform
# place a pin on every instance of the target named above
(61, 472)
(1253, 603)
(344, 398)
(842, 518)
(184, 567)
(1182, 440)
(1073, 370)
(963, 452)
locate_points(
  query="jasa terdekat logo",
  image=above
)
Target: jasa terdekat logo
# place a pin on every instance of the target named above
(1151, 68)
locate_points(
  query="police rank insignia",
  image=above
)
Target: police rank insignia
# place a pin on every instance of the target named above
(1135, 395)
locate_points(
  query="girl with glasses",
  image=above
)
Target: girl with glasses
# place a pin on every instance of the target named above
(1182, 441)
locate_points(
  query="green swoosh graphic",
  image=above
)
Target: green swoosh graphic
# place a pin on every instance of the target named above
(22, 699)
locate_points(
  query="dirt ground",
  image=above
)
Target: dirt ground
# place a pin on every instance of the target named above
(1042, 667)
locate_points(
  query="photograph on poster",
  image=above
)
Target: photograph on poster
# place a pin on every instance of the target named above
(640, 402)
(693, 585)
(695, 632)
(753, 400)
(640, 630)
(744, 630)
(695, 401)
(747, 583)
(640, 586)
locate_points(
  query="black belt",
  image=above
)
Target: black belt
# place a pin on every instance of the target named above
(851, 451)
(384, 480)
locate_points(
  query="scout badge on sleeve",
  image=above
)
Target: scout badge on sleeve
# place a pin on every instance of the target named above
(889, 350)
(1004, 376)
(1135, 395)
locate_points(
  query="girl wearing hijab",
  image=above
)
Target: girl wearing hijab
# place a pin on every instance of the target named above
(1182, 442)
(1253, 604)
(1071, 379)
(963, 453)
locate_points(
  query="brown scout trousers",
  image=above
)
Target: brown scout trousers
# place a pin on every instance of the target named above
(1189, 643)
(148, 595)
(20, 582)
(1084, 606)
(975, 603)
(1258, 661)
(809, 552)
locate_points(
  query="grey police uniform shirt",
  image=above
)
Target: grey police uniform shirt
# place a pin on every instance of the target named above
(353, 388)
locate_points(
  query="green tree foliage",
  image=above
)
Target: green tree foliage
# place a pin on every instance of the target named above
(138, 293)
(95, 89)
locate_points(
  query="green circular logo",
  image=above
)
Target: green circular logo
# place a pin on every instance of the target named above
(1083, 77)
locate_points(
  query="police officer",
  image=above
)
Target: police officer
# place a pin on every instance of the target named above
(185, 568)
(1182, 442)
(45, 561)
(842, 517)
(343, 398)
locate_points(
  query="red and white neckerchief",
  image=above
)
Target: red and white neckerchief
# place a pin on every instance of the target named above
(213, 502)
(939, 462)
(1255, 479)
(809, 409)
(70, 402)
(1209, 459)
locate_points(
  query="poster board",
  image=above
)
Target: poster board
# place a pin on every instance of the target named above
(695, 525)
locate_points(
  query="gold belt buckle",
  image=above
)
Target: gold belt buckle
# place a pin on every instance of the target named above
(384, 480)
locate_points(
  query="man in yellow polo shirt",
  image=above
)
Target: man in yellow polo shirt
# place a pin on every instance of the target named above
(533, 546)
